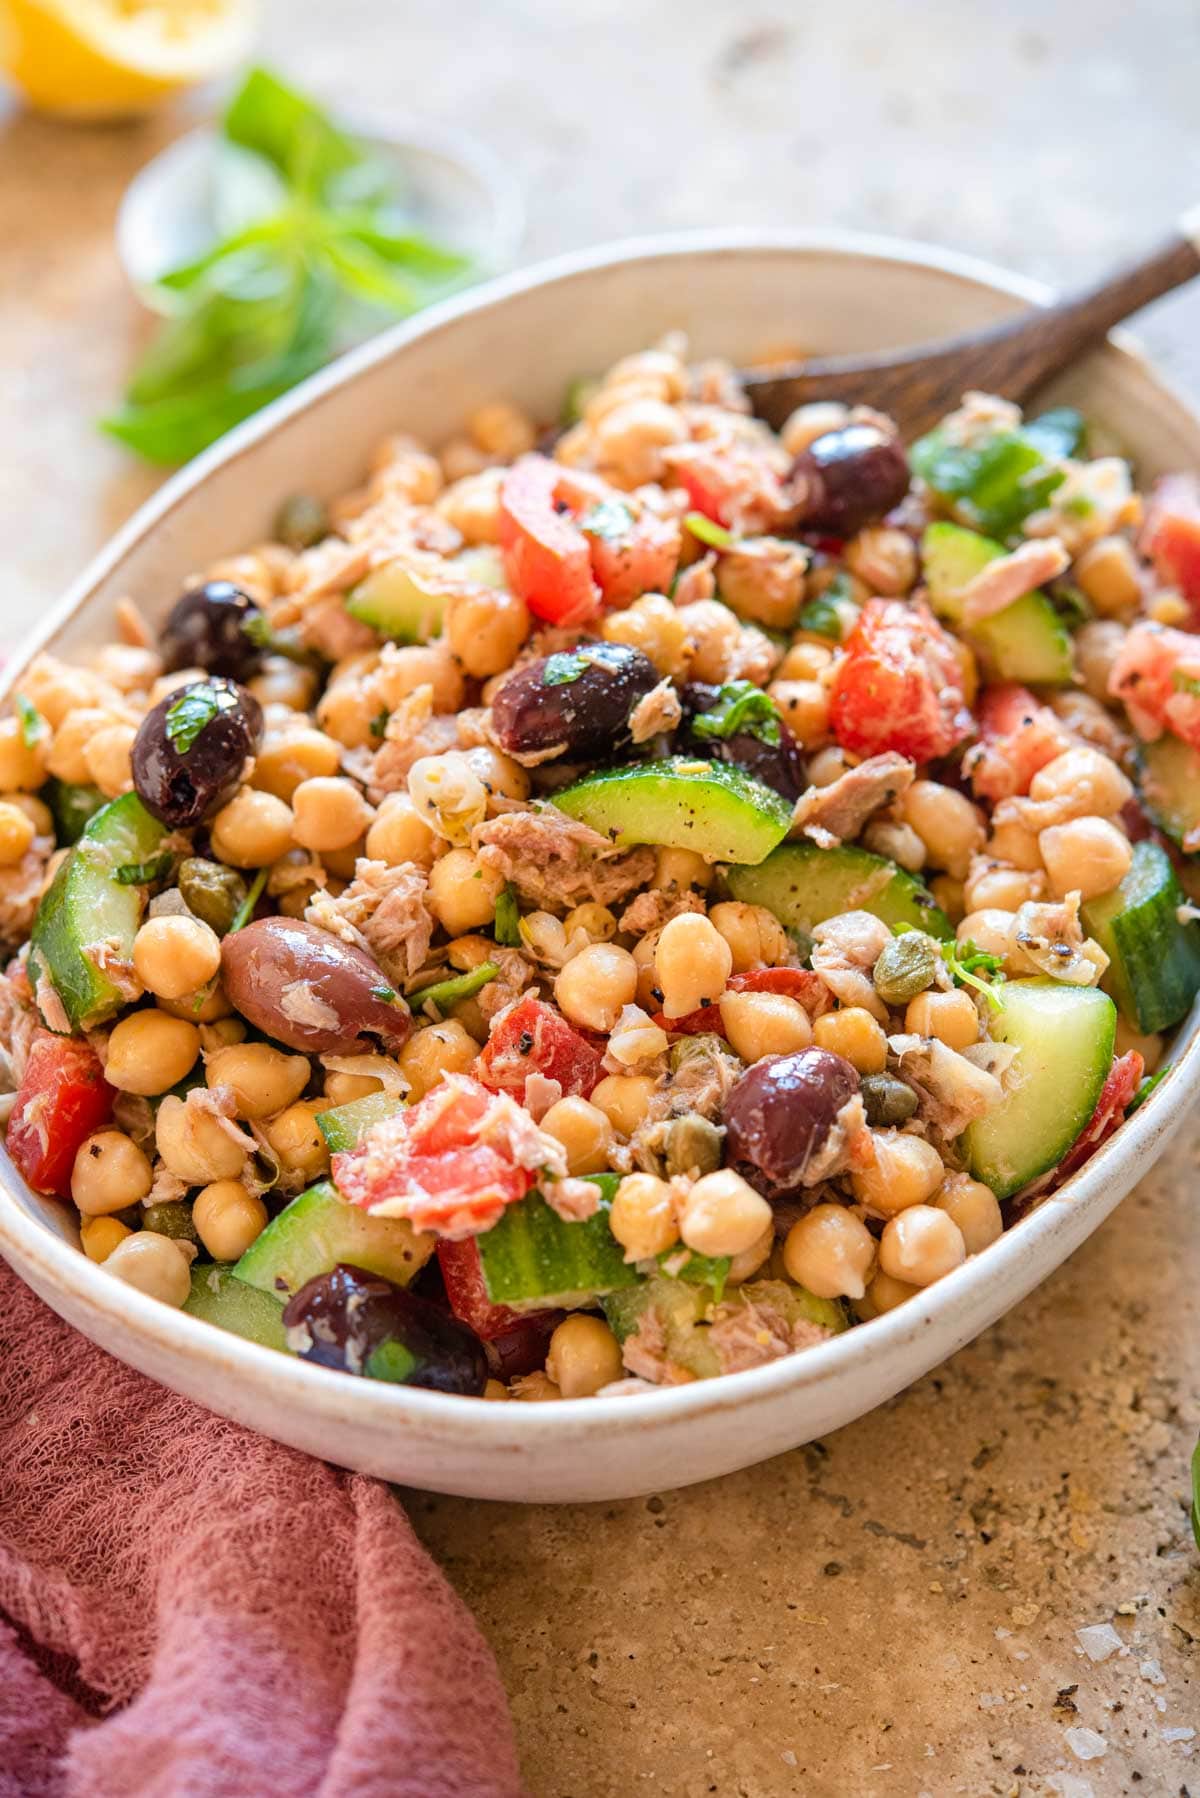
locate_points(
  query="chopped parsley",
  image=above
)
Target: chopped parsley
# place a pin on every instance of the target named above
(610, 519)
(741, 709)
(33, 725)
(968, 966)
(379, 723)
(561, 669)
(385, 993)
(507, 927)
(1186, 683)
(140, 874)
(194, 711)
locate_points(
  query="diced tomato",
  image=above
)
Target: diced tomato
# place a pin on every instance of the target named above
(643, 559)
(794, 983)
(547, 558)
(899, 685)
(518, 1338)
(62, 1098)
(733, 482)
(1170, 536)
(535, 1039)
(1157, 675)
(1123, 1079)
(1018, 736)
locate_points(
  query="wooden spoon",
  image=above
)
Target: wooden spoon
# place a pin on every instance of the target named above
(918, 386)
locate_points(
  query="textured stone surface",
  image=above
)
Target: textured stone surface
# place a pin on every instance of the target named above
(891, 1612)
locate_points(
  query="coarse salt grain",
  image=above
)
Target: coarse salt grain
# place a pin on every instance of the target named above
(1178, 1735)
(1153, 1672)
(1085, 1744)
(1070, 1785)
(1099, 1640)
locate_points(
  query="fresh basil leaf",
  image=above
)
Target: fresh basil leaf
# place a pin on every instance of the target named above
(288, 129)
(194, 711)
(405, 248)
(507, 926)
(610, 520)
(740, 709)
(33, 725)
(707, 530)
(367, 277)
(445, 994)
(140, 874)
(561, 669)
(252, 237)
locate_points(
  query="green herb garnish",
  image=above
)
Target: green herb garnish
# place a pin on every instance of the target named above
(1072, 605)
(245, 910)
(379, 723)
(741, 709)
(1144, 1089)
(445, 994)
(561, 669)
(697, 1270)
(610, 519)
(833, 614)
(385, 993)
(707, 530)
(967, 965)
(194, 711)
(319, 255)
(33, 725)
(140, 874)
(507, 926)
(1185, 683)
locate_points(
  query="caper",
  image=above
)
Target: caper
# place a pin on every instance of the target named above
(906, 966)
(212, 891)
(693, 1145)
(887, 1100)
(172, 1218)
(301, 521)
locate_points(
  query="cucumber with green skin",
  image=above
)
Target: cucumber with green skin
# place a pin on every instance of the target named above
(319, 1229)
(87, 904)
(71, 807)
(1026, 642)
(1064, 1037)
(408, 605)
(1168, 778)
(534, 1260)
(1154, 959)
(715, 808)
(220, 1298)
(342, 1125)
(804, 885)
(682, 1313)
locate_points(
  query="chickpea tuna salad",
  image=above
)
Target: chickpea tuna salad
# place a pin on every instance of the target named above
(607, 907)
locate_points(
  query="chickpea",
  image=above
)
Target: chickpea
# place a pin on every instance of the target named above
(950, 1017)
(286, 760)
(36, 810)
(159, 1266)
(974, 1208)
(830, 1252)
(57, 689)
(804, 708)
(108, 759)
(472, 506)
(149, 1052)
(400, 834)
(744, 1266)
(830, 764)
(221, 1033)
(722, 1214)
(884, 559)
(595, 921)
(1097, 646)
(1088, 855)
(348, 711)
(584, 1132)
(624, 1099)
(486, 629)
(402, 671)
(285, 683)
(692, 963)
(675, 870)
(343, 863)
(758, 1024)
(596, 985)
(343, 1089)
(989, 887)
(921, 1245)
(907, 1170)
(502, 429)
(208, 1006)
(99, 1236)
(807, 659)
(765, 581)
(67, 759)
(642, 1217)
(296, 1138)
(1150, 1048)
(1080, 783)
(630, 439)
(854, 1034)
(16, 833)
(496, 1392)
(656, 627)
(948, 893)
(175, 955)
(899, 842)
(328, 813)
(755, 936)
(253, 830)
(109, 1172)
(499, 775)
(1015, 844)
(1107, 571)
(991, 931)
(463, 892)
(435, 1050)
(950, 827)
(583, 1356)
(659, 371)
(807, 423)
(22, 765)
(263, 1079)
(228, 1219)
(714, 634)
(195, 1144)
(883, 1295)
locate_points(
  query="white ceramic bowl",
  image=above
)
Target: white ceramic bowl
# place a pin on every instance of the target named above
(528, 336)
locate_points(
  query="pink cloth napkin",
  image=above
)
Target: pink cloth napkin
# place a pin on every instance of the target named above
(189, 1609)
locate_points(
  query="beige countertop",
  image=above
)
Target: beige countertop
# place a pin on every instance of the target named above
(890, 1612)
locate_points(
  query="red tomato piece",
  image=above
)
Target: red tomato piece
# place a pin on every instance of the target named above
(1018, 736)
(733, 482)
(1170, 536)
(534, 1038)
(1123, 1079)
(1157, 675)
(899, 685)
(515, 1334)
(547, 558)
(62, 1098)
(793, 983)
(633, 551)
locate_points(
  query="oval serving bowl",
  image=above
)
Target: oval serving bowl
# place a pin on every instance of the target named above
(527, 336)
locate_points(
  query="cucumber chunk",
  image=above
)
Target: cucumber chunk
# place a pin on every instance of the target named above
(71, 807)
(408, 605)
(533, 1260)
(684, 1313)
(1168, 777)
(1154, 960)
(317, 1230)
(715, 808)
(345, 1124)
(1064, 1036)
(220, 1298)
(1026, 642)
(803, 885)
(88, 905)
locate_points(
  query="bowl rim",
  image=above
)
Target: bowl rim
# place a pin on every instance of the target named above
(325, 1393)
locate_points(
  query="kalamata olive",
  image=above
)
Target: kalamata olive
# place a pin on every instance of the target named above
(307, 988)
(779, 1115)
(190, 749)
(302, 521)
(846, 478)
(779, 765)
(360, 1323)
(577, 703)
(213, 627)
(211, 890)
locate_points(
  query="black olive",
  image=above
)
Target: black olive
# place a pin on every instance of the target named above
(360, 1323)
(214, 627)
(779, 1115)
(847, 478)
(578, 703)
(779, 765)
(190, 749)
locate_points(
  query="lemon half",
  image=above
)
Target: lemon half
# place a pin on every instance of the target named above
(103, 59)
